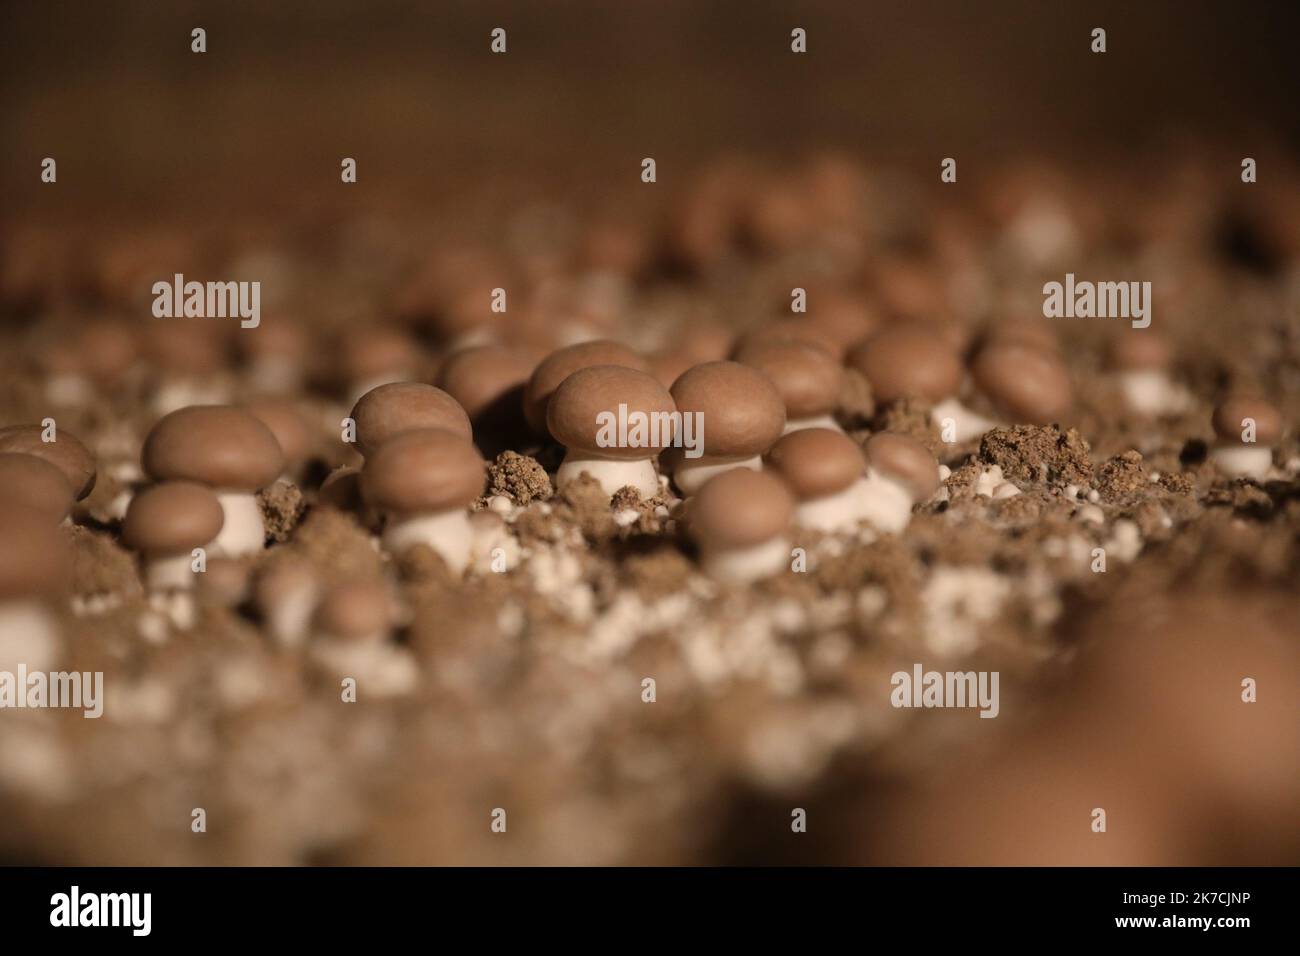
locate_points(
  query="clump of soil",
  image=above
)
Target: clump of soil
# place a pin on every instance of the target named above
(1035, 453)
(518, 477)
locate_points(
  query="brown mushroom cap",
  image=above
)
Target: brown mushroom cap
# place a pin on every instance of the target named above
(285, 419)
(909, 362)
(477, 377)
(816, 462)
(905, 460)
(808, 378)
(1034, 333)
(574, 412)
(740, 508)
(791, 330)
(356, 609)
(400, 407)
(430, 469)
(1229, 414)
(35, 484)
(844, 317)
(216, 445)
(1140, 349)
(66, 453)
(740, 407)
(562, 363)
(34, 555)
(1028, 384)
(172, 518)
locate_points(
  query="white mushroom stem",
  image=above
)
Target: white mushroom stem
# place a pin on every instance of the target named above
(173, 572)
(289, 615)
(967, 425)
(840, 511)
(812, 421)
(1242, 460)
(886, 502)
(744, 565)
(611, 473)
(448, 533)
(1150, 392)
(381, 670)
(28, 636)
(243, 532)
(691, 473)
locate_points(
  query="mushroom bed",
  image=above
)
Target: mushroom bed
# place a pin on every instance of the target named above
(352, 598)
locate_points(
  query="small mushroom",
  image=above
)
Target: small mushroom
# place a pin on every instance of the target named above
(354, 623)
(562, 363)
(292, 431)
(276, 352)
(229, 450)
(826, 471)
(373, 356)
(405, 406)
(35, 484)
(1141, 360)
(488, 381)
(613, 422)
(791, 330)
(1027, 384)
(422, 482)
(916, 362)
(285, 593)
(808, 379)
(1246, 429)
(739, 414)
(901, 472)
(165, 523)
(741, 519)
(67, 453)
(34, 566)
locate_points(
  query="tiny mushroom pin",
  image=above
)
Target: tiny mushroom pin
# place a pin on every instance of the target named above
(165, 523)
(808, 379)
(1246, 429)
(741, 519)
(736, 414)
(423, 482)
(613, 422)
(229, 450)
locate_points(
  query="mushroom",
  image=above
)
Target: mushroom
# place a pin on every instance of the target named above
(613, 422)
(292, 431)
(741, 415)
(66, 453)
(373, 356)
(354, 623)
(901, 472)
(918, 362)
(827, 473)
(34, 564)
(285, 593)
(1141, 359)
(808, 379)
(189, 361)
(276, 353)
(35, 484)
(791, 330)
(422, 482)
(398, 407)
(229, 450)
(165, 523)
(488, 381)
(1027, 384)
(740, 520)
(562, 363)
(1246, 429)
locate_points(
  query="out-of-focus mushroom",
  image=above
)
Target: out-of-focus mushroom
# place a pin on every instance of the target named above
(165, 523)
(1246, 429)
(741, 520)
